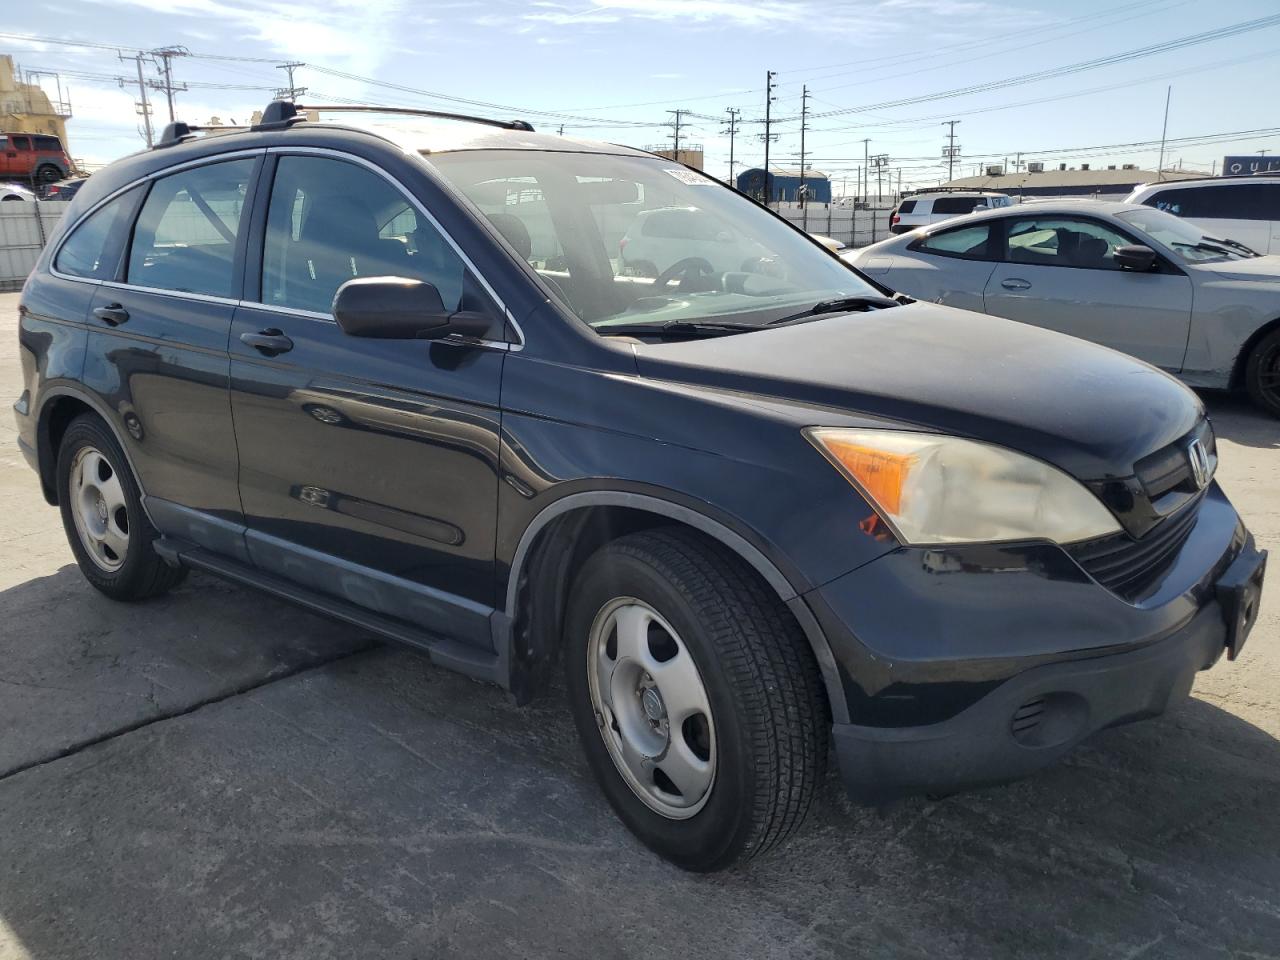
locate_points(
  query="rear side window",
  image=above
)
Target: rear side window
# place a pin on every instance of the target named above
(956, 205)
(1235, 201)
(907, 206)
(48, 143)
(93, 249)
(968, 243)
(20, 143)
(330, 221)
(186, 234)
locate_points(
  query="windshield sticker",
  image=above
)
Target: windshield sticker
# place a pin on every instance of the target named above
(692, 177)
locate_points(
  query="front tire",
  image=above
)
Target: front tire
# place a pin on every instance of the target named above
(109, 533)
(699, 704)
(1262, 373)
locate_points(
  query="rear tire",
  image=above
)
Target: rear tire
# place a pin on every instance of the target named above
(109, 533)
(1262, 373)
(724, 654)
(48, 174)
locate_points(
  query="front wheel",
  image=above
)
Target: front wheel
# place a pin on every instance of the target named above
(697, 699)
(1262, 373)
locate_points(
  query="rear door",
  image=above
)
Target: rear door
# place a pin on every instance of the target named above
(20, 156)
(368, 468)
(1060, 273)
(158, 347)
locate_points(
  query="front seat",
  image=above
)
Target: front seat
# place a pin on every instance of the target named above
(514, 232)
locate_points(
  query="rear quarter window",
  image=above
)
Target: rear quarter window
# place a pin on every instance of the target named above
(48, 143)
(94, 247)
(1228, 201)
(907, 206)
(956, 205)
(966, 243)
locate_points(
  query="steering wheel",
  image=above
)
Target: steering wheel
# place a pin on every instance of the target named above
(691, 271)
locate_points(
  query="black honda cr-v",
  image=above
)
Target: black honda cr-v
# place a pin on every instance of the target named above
(755, 504)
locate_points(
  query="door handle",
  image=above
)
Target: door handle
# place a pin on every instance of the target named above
(270, 341)
(1015, 283)
(112, 313)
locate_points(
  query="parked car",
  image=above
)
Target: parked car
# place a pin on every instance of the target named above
(923, 209)
(15, 191)
(1129, 277)
(1245, 209)
(749, 514)
(831, 243)
(62, 189)
(33, 157)
(659, 239)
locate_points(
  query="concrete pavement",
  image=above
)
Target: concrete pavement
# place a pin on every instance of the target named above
(217, 774)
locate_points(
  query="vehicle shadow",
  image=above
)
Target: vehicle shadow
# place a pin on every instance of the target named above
(1235, 418)
(376, 806)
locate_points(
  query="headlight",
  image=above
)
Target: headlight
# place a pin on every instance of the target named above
(937, 489)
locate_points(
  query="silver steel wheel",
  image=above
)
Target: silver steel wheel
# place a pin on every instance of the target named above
(651, 708)
(99, 509)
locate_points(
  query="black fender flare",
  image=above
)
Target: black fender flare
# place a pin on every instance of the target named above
(716, 530)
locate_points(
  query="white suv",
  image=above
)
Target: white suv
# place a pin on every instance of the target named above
(926, 208)
(1244, 209)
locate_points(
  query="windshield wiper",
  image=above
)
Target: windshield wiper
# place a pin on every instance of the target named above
(680, 328)
(1233, 244)
(839, 305)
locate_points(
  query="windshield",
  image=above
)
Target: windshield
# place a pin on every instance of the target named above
(1181, 237)
(632, 240)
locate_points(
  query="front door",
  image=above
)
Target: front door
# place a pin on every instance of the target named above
(1060, 273)
(368, 468)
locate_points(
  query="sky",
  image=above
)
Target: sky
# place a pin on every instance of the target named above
(891, 71)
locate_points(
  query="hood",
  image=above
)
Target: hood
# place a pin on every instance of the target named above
(1266, 269)
(1087, 409)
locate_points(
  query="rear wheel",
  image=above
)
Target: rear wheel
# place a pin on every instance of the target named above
(1262, 373)
(48, 174)
(698, 702)
(109, 532)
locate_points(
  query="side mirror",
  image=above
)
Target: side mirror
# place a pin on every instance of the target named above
(1135, 257)
(397, 308)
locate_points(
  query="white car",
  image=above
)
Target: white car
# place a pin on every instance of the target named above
(657, 240)
(16, 191)
(926, 208)
(1245, 209)
(1126, 276)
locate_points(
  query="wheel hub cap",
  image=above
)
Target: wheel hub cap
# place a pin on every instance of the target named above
(652, 708)
(99, 509)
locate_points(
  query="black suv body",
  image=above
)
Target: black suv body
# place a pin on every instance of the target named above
(496, 490)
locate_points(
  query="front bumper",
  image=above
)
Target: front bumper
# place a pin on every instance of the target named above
(983, 665)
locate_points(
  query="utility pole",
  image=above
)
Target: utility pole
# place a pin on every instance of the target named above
(1164, 133)
(292, 91)
(866, 167)
(562, 129)
(769, 86)
(144, 108)
(166, 55)
(732, 131)
(881, 161)
(804, 123)
(679, 115)
(952, 149)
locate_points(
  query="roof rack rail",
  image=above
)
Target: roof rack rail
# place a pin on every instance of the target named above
(279, 105)
(179, 132)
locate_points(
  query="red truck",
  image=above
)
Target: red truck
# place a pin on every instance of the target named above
(34, 157)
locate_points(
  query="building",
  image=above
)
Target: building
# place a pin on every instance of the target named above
(690, 154)
(26, 108)
(784, 184)
(1111, 182)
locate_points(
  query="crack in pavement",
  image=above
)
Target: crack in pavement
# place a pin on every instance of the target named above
(238, 691)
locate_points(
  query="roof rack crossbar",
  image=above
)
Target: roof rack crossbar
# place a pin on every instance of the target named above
(415, 112)
(179, 132)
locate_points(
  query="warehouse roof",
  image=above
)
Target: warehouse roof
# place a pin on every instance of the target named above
(789, 172)
(1012, 182)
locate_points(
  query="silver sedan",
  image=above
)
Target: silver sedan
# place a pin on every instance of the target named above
(1126, 276)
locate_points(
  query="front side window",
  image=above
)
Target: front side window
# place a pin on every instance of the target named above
(625, 240)
(94, 246)
(1063, 242)
(186, 234)
(330, 221)
(970, 243)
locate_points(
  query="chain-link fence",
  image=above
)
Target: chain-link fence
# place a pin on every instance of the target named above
(24, 230)
(853, 227)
